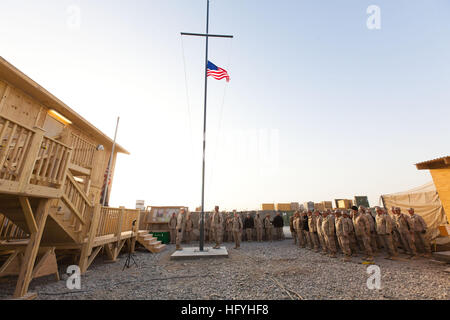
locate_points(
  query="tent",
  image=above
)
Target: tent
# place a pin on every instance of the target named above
(425, 202)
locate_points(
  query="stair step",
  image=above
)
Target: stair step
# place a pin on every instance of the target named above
(159, 248)
(143, 232)
(153, 242)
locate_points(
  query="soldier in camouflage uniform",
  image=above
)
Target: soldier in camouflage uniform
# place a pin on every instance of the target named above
(305, 229)
(384, 228)
(259, 227)
(181, 225)
(362, 231)
(373, 234)
(268, 227)
(420, 231)
(351, 233)
(312, 225)
(342, 233)
(217, 227)
(229, 227)
(172, 228)
(405, 228)
(237, 227)
(291, 227)
(319, 220)
(328, 231)
(189, 228)
(298, 230)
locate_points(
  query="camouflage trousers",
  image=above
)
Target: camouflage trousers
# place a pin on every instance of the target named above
(322, 242)
(217, 236)
(300, 238)
(294, 236)
(307, 238)
(173, 236)
(353, 243)
(314, 240)
(259, 234)
(188, 236)
(229, 236)
(268, 234)
(407, 241)
(365, 243)
(373, 241)
(179, 237)
(388, 244)
(331, 243)
(424, 242)
(237, 238)
(344, 243)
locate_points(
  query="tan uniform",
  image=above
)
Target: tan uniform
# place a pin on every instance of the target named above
(172, 229)
(384, 229)
(373, 234)
(291, 227)
(298, 232)
(229, 229)
(210, 228)
(323, 244)
(342, 233)
(181, 226)
(188, 230)
(329, 235)
(217, 227)
(405, 229)
(259, 227)
(420, 230)
(351, 235)
(237, 227)
(312, 225)
(268, 227)
(362, 231)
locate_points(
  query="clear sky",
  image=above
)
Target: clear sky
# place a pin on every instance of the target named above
(319, 106)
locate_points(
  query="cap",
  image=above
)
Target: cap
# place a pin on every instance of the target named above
(355, 208)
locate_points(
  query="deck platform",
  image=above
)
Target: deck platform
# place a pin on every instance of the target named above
(195, 253)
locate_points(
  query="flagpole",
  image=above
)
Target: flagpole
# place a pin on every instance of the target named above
(202, 223)
(109, 163)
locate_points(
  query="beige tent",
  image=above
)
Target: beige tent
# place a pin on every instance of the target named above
(425, 202)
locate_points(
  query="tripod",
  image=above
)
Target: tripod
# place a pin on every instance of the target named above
(130, 255)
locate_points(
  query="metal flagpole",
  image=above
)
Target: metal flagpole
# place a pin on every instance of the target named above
(110, 163)
(206, 35)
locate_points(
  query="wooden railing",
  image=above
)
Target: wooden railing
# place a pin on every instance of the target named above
(113, 219)
(14, 146)
(51, 163)
(77, 201)
(10, 231)
(83, 152)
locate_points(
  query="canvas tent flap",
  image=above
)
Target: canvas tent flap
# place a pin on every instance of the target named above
(425, 202)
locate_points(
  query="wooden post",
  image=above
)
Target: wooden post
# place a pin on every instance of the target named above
(33, 152)
(86, 249)
(31, 251)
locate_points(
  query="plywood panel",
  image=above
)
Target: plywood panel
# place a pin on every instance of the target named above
(441, 178)
(21, 108)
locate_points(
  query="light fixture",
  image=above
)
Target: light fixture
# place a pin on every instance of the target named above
(100, 147)
(59, 116)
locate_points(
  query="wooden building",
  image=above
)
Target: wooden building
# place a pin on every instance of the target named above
(440, 172)
(52, 172)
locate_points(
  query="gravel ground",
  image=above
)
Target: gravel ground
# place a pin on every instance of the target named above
(277, 270)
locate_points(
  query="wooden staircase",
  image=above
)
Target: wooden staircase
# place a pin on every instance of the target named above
(150, 242)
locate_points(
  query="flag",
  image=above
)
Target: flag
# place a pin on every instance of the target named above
(216, 72)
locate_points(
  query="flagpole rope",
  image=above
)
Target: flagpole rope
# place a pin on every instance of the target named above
(220, 117)
(187, 98)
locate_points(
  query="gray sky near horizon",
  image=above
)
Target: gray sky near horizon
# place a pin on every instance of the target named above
(319, 106)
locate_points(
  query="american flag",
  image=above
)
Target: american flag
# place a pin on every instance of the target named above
(216, 72)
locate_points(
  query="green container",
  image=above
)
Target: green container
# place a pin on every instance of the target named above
(164, 237)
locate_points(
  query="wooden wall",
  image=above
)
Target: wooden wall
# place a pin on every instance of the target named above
(441, 178)
(18, 106)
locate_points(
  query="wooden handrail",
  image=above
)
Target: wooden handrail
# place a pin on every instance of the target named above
(10, 231)
(83, 152)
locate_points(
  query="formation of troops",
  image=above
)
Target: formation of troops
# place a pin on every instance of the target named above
(331, 231)
(355, 231)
